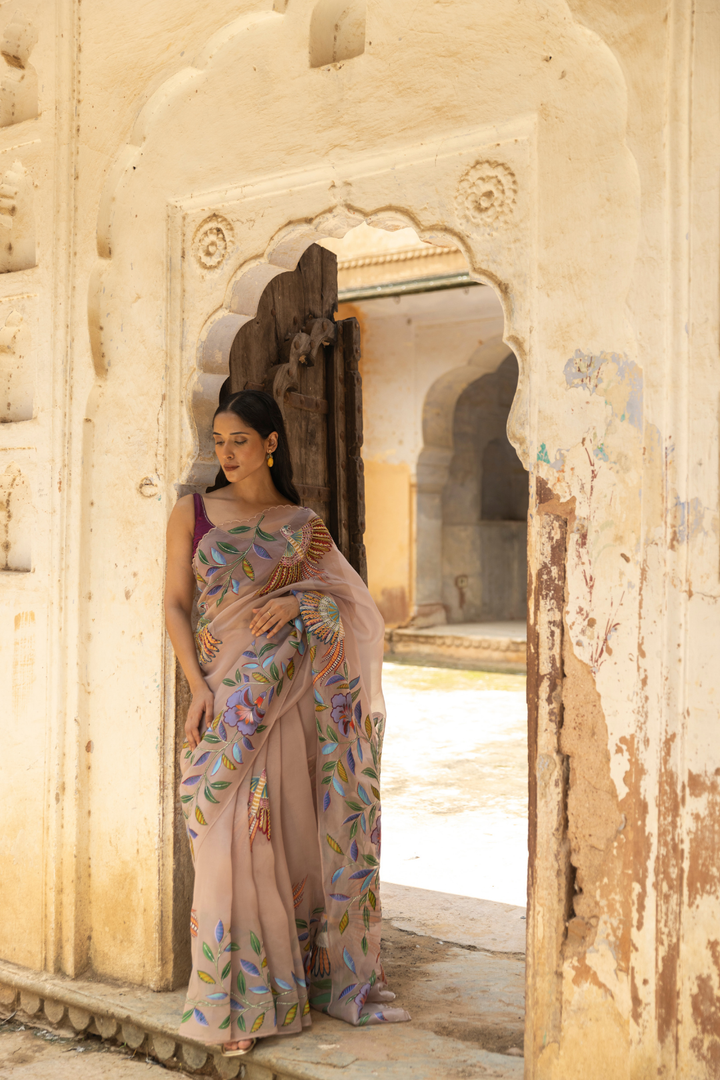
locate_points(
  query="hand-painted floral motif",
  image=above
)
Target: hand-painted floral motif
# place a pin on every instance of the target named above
(304, 549)
(206, 644)
(259, 807)
(321, 617)
(250, 770)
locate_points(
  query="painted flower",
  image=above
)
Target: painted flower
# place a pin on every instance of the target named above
(362, 997)
(243, 711)
(375, 835)
(207, 645)
(342, 713)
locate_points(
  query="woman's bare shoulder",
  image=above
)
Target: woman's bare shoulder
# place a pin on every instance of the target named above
(183, 514)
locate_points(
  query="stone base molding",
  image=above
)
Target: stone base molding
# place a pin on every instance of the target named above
(135, 1017)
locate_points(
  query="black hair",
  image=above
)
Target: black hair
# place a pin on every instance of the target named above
(261, 412)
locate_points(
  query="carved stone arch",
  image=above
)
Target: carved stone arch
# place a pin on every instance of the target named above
(242, 296)
(432, 473)
(482, 167)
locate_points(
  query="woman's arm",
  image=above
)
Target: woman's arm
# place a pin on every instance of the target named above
(179, 594)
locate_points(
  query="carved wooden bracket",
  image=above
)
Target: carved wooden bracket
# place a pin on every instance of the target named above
(303, 348)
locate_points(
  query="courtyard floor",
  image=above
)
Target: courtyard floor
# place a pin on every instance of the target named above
(454, 865)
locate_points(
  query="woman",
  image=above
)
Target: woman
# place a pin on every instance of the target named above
(280, 788)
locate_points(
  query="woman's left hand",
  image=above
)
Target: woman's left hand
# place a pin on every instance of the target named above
(271, 616)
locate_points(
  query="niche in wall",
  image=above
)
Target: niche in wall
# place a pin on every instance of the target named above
(16, 368)
(16, 524)
(337, 31)
(485, 503)
(18, 78)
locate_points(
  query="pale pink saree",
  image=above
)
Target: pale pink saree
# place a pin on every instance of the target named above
(281, 798)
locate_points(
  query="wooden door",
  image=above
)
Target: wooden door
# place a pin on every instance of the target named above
(295, 350)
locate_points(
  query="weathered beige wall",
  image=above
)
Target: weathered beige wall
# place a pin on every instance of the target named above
(569, 150)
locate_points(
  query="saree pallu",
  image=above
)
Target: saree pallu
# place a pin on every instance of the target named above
(281, 797)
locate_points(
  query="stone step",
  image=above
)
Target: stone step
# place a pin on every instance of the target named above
(473, 646)
(444, 1042)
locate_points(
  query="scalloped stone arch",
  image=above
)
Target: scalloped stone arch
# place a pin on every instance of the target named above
(240, 304)
(433, 468)
(500, 168)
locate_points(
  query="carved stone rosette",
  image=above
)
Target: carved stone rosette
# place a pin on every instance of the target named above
(211, 242)
(486, 194)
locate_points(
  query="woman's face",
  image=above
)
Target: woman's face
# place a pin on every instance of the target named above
(239, 448)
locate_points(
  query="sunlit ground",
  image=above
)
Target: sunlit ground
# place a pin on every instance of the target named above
(455, 782)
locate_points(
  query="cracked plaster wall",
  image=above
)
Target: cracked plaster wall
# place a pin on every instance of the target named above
(598, 128)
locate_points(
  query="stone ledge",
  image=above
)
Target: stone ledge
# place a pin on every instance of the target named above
(506, 654)
(147, 1021)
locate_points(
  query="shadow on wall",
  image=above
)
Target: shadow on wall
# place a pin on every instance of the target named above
(484, 507)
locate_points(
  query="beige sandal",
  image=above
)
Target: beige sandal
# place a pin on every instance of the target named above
(238, 1052)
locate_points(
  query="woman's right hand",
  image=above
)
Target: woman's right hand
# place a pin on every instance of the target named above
(202, 706)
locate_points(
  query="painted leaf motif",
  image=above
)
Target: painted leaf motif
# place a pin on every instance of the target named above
(283, 985)
(227, 763)
(247, 569)
(208, 953)
(218, 557)
(225, 1024)
(337, 874)
(349, 961)
(186, 1016)
(368, 727)
(226, 970)
(249, 968)
(372, 898)
(258, 1024)
(348, 989)
(329, 749)
(364, 946)
(241, 984)
(342, 772)
(203, 557)
(342, 897)
(361, 874)
(200, 1017)
(220, 996)
(298, 980)
(363, 794)
(350, 761)
(191, 780)
(291, 1014)
(354, 851)
(326, 800)
(215, 590)
(334, 845)
(259, 550)
(343, 924)
(255, 943)
(219, 932)
(237, 753)
(291, 669)
(375, 791)
(202, 759)
(239, 529)
(258, 989)
(229, 548)
(235, 585)
(338, 786)
(199, 816)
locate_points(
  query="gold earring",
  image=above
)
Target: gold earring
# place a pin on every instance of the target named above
(270, 461)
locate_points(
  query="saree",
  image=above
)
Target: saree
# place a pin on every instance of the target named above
(281, 798)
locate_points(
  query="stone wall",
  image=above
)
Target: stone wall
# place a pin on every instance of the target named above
(569, 151)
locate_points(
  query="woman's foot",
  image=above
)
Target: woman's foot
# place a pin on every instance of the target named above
(242, 1044)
